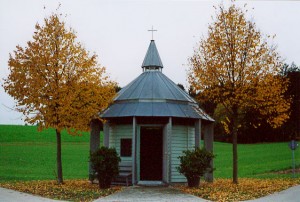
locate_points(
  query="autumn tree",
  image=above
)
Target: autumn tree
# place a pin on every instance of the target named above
(292, 126)
(56, 82)
(234, 66)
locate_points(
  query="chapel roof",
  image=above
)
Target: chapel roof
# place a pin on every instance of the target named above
(153, 94)
(155, 86)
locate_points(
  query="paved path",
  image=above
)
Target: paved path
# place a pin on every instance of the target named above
(8, 195)
(289, 195)
(164, 194)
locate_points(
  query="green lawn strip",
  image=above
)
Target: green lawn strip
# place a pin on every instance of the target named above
(19, 133)
(29, 161)
(277, 176)
(27, 154)
(254, 159)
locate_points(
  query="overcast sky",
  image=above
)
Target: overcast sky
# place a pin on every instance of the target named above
(117, 32)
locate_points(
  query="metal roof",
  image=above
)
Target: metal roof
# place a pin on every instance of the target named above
(157, 109)
(152, 94)
(153, 85)
(152, 58)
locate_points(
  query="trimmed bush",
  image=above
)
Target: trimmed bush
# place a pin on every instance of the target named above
(105, 163)
(194, 164)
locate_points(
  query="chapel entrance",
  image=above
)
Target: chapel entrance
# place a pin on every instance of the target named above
(151, 155)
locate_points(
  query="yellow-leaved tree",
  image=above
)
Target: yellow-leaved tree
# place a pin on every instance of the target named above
(56, 83)
(234, 66)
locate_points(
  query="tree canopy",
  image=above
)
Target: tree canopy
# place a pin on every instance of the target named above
(56, 82)
(292, 126)
(235, 67)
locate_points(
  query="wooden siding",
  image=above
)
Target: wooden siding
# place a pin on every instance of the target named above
(116, 132)
(183, 138)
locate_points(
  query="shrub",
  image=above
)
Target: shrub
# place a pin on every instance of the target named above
(194, 164)
(105, 163)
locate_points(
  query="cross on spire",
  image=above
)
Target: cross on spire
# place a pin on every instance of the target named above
(152, 30)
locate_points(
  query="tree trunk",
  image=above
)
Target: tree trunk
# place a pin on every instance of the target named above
(234, 131)
(235, 156)
(94, 142)
(58, 157)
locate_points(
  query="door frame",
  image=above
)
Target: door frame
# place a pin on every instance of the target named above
(138, 158)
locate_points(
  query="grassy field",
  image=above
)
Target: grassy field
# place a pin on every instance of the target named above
(26, 154)
(255, 160)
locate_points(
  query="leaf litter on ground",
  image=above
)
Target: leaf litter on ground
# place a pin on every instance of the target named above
(72, 190)
(247, 188)
(220, 190)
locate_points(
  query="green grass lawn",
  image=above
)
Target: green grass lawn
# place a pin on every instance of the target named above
(26, 154)
(255, 160)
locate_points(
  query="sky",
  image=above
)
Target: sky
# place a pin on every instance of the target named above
(117, 31)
